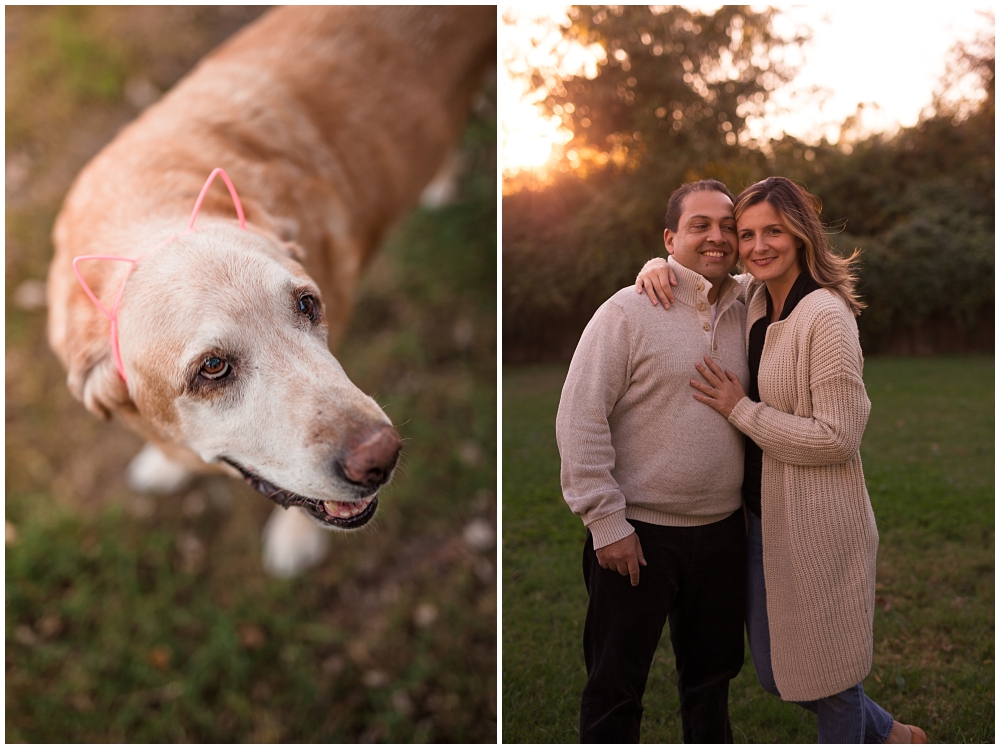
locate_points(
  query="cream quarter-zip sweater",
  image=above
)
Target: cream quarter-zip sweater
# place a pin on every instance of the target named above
(820, 539)
(635, 444)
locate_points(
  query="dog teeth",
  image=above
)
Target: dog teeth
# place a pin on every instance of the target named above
(346, 509)
(340, 509)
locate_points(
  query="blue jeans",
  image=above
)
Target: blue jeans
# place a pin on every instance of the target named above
(849, 717)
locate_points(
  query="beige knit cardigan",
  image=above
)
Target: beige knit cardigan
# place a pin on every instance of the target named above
(820, 539)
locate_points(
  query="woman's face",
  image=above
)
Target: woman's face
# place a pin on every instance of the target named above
(769, 251)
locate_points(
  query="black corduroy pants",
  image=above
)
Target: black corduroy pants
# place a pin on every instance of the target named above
(696, 578)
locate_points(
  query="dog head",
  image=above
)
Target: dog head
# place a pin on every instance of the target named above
(223, 337)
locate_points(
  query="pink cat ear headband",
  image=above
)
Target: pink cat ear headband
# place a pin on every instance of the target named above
(113, 314)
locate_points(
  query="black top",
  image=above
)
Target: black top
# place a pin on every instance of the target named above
(753, 456)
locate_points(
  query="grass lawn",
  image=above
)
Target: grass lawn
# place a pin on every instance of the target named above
(928, 457)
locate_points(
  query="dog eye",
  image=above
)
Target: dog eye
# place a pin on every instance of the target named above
(214, 368)
(308, 306)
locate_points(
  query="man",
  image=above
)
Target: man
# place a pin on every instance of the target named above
(656, 478)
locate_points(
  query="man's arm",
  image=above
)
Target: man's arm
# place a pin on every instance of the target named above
(597, 379)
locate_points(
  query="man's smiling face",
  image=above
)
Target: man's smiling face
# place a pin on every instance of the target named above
(705, 240)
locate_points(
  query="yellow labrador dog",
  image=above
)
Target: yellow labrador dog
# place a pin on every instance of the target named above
(213, 343)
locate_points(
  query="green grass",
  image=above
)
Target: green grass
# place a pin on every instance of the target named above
(928, 457)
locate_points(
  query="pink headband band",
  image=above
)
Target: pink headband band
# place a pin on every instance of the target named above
(112, 315)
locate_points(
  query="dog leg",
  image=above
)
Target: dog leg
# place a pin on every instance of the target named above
(293, 543)
(443, 189)
(152, 471)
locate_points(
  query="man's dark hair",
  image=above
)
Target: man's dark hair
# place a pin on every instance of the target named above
(675, 206)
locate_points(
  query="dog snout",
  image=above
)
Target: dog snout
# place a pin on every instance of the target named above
(370, 461)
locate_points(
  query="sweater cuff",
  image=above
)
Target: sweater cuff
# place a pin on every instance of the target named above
(741, 413)
(610, 528)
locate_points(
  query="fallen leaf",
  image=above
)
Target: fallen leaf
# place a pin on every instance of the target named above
(333, 665)
(479, 534)
(82, 703)
(425, 615)
(50, 625)
(25, 635)
(159, 658)
(251, 636)
(375, 679)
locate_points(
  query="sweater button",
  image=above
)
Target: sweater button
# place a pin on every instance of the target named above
(700, 286)
(701, 306)
(706, 327)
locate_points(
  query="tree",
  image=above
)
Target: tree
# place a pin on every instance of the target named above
(673, 80)
(667, 106)
(920, 205)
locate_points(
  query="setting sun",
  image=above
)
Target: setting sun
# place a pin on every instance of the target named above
(529, 139)
(533, 42)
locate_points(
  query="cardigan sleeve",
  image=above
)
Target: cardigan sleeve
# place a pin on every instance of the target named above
(598, 377)
(840, 405)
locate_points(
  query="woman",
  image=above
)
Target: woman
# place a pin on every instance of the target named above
(811, 531)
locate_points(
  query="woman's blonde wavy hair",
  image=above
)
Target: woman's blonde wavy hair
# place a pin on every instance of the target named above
(800, 212)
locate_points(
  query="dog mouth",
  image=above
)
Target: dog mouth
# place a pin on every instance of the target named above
(327, 513)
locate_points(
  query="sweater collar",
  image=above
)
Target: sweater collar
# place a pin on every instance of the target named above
(693, 287)
(759, 304)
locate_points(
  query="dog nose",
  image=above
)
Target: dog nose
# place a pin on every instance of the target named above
(370, 461)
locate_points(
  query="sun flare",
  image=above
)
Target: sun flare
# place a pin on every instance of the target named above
(533, 41)
(530, 140)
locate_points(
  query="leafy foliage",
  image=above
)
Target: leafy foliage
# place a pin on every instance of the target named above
(691, 75)
(920, 204)
(669, 106)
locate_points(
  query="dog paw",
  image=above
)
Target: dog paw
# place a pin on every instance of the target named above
(153, 472)
(293, 543)
(442, 190)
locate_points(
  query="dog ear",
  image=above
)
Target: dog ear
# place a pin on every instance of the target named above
(95, 381)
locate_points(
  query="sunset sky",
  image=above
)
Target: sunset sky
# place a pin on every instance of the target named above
(907, 50)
